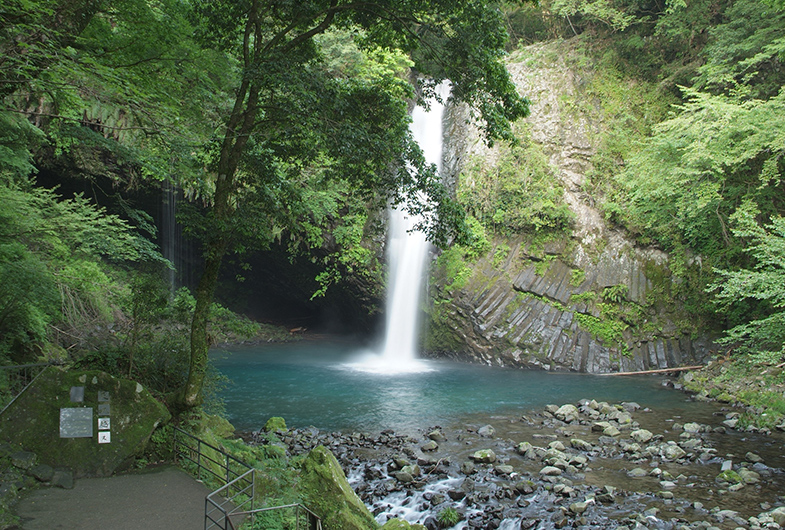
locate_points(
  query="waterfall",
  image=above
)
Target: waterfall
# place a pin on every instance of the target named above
(407, 251)
(175, 247)
(168, 231)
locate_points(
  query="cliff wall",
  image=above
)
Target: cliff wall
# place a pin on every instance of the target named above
(588, 299)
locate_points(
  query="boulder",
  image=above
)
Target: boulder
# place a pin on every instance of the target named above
(579, 507)
(275, 424)
(550, 471)
(754, 458)
(673, 452)
(567, 413)
(400, 524)
(326, 491)
(23, 460)
(641, 435)
(487, 431)
(748, 476)
(612, 431)
(436, 435)
(43, 418)
(468, 468)
(692, 428)
(42, 473)
(484, 456)
(581, 445)
(413, 470)
(429, 446)
(63, 478)
(503, 469)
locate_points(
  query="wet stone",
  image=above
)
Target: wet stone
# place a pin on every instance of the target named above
(436, 436)
(641, 435)
(504, 469)
(484, 456)
(579, 507)
(581, 445)
(487, 431)
(429, 446)
(754, 458)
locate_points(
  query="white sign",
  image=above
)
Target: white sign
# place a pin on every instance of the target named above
(103, 424)
(104, 437)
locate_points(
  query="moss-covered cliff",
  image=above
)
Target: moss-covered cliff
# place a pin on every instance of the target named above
(549, 282)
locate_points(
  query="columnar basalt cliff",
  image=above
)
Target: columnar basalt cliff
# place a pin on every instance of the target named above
(588, 299)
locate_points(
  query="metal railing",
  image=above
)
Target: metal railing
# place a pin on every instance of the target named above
(16, 378)
(233, 502)
(215, 464)
(221, 505)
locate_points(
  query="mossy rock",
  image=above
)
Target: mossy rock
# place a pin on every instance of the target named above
(33, 421)
(326, 491)
(275, 424)
(729, 476)
(400, 524)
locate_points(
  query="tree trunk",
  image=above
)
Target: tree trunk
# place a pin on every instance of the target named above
(200, 343)
(216, 246)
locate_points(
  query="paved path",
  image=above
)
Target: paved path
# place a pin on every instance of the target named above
(166, 498)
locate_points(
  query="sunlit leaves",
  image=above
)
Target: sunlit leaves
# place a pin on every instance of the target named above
(764, 282)
(699, 166)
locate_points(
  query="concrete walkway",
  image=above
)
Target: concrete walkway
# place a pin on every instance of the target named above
(165, 498)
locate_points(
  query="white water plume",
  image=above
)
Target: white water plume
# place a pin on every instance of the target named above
(407, 250)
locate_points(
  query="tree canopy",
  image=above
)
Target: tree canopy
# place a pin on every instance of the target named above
(270, 115)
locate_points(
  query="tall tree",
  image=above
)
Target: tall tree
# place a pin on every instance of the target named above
(290, 116)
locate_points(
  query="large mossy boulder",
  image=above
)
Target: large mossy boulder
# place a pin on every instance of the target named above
(60, 404)
(326, 491)
(399, 524)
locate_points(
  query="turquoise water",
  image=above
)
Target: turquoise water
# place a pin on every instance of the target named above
(312, 383)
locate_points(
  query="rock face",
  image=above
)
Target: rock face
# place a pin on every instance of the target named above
(591, 301)
(35, 421)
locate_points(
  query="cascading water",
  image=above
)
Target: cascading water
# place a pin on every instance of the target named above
(168, 231)
(175, 247)
(407, 250)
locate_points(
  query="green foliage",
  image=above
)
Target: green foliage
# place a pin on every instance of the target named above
(699, 167)
(745, 52)
(761, 338)
(274, 424)
(606, 12)
(608, 330)
(500, 254)
(54, 263)
(589, 297)
(448, 517)
(454, 263)
(616, 293)
(577, 276)
(518, 194)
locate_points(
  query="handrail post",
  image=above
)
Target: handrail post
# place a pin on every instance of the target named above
(199, 459)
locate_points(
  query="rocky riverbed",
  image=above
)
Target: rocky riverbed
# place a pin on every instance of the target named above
(580, 465)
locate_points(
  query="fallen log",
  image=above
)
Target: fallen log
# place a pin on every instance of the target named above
(657, 371)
